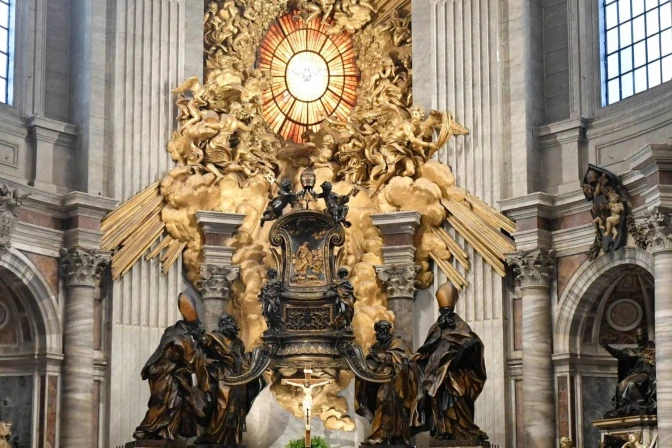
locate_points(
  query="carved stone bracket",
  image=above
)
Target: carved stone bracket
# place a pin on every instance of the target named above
(10, 201)
(655, 232)
(82, 267)
(399, 280)
(216, 281)
(533, 267)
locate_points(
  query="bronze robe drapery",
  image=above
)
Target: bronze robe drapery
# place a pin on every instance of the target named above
(387, 406)
(636, 391)
(226, 419)
(175, 403)
(449, 386)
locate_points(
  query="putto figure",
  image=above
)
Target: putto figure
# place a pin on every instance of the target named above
(387, 406)
(270, 300)
(336, 204)
(636, 390)
(176, 404)
(284, 198)
(452, 372)
(345, 302)
(225, 423)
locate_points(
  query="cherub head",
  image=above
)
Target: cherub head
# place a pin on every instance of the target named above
(212, 7)
(342, 273)
(613, 197)
(271, 274)
(635, 437)
(286, 185)
(417, 114)
(328, 141)
(326, 186)
(566, 442)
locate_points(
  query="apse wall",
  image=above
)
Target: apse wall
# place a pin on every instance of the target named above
(457, 67)
(158, 44)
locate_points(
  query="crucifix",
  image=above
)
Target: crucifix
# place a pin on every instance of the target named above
(307, 384)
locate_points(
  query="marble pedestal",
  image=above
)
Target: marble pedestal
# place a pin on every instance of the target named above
(176, 444)
(458, 443)
(369, 445)
(620, 427)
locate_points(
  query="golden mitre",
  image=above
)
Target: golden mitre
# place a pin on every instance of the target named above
(187, 306)
(447, 295)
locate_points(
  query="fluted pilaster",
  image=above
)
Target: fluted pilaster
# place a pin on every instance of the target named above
(81, 270)
(534, 269)
(656, 231)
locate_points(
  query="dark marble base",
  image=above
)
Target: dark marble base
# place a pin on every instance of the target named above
(158, 444)
(176, 444)
(369, 445)
(438, 443)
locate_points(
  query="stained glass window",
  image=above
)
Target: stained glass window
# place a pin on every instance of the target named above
(5, 56)
(637, 46)
(313, 76)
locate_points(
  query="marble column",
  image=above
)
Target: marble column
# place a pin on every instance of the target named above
(534, 269)
(400, 284)
(217, 271)
(656, 228)
(399, 271)
(81, 270)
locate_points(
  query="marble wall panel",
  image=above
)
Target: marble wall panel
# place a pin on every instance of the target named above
(596, 393)
(16, 406)
(566, 267)
(48, 267)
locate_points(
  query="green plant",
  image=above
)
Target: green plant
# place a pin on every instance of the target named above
(315, 442)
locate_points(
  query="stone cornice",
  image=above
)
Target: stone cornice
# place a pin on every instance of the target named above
(397, 222)
(37, 239)
(218, 222)
(651, 158)
(77, 203)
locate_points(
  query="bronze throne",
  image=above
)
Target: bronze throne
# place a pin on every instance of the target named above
(301, 304)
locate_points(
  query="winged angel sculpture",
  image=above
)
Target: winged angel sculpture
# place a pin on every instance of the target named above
(228, 159)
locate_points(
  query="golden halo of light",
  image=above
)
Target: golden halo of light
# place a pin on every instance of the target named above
(313, 75)
(307, 76)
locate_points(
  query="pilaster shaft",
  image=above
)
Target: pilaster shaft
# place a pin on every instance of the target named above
(217, 271)
(656, 230)
(534, 269)
(81, 271)
(215, 288)
(400, 283)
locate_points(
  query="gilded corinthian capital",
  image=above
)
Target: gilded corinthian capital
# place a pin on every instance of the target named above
(399, 279)
(82, 267)
(216, 281)
(533, 267)
(655, 232)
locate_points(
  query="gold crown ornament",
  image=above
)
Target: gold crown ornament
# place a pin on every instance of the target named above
(447, 295)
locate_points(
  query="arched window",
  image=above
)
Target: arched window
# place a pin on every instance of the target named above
(6, 50)
(636, 47)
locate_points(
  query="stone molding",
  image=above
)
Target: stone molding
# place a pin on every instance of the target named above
(654, 232)
(397, 222)
(218, 222)
(534, 268)
(10, 202)
(216, 281)
(399, 280)
(82, 267)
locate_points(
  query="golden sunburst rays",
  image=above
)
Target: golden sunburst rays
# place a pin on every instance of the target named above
(481, 225)
(313, 76)
(132, 228)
